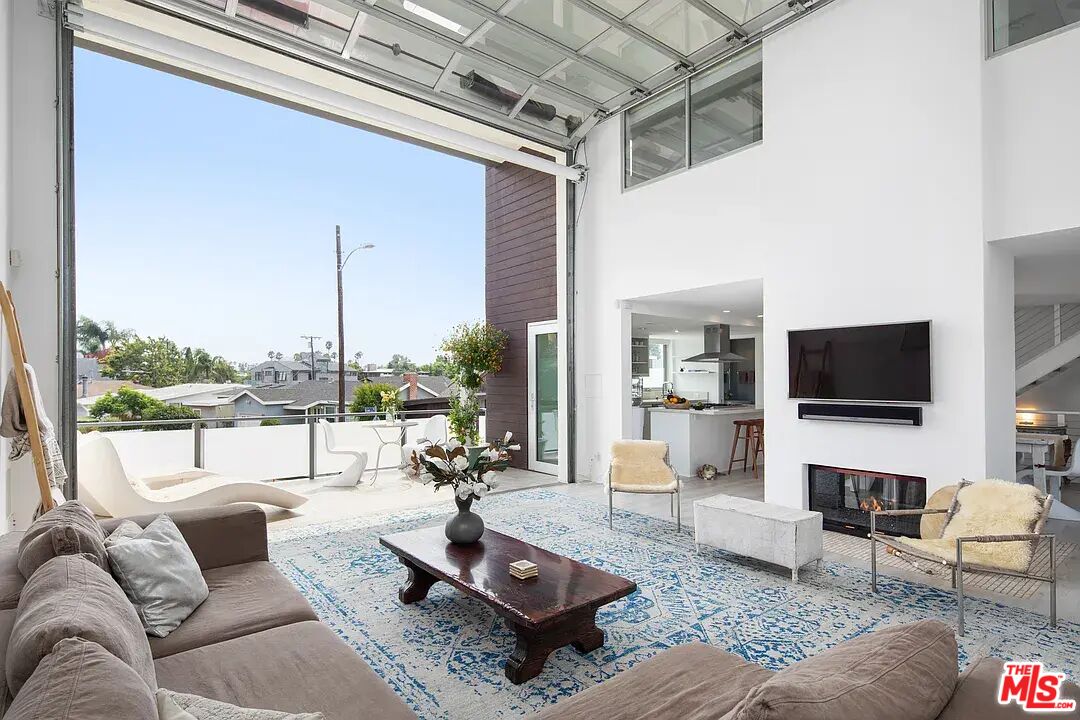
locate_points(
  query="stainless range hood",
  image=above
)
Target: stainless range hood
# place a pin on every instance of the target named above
(717, 346)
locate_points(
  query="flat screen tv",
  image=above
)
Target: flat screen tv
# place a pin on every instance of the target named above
(869, 363)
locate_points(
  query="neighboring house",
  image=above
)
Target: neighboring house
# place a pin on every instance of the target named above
(285, 372)
(91, 390)
(210, 400)
(88, 367)
(318, 397)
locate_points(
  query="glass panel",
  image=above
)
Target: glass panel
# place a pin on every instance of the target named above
(518, 50)
(442, 16)
(679, 26)
(620, 8)
(559, 20)
(742, 11)
(219, 4)
(325, 23)
(725, 108)
(659, 365)
(1018, 20)
(484, 85)
(417, 59)
(547, 398)
(631, 57)
(551, 114)
(656, 137)
(583, 79)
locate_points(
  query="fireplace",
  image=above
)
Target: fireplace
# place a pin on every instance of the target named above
(845, 498)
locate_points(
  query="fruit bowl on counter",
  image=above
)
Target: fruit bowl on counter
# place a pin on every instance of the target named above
(676, 402)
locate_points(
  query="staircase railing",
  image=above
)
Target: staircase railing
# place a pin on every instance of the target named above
(1041, 328)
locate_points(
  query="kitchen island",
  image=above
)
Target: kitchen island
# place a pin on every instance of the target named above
(697, 437)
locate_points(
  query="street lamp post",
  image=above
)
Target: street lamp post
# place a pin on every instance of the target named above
(341, 315)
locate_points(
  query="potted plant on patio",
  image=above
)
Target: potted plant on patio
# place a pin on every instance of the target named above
(474, 351)
(467, 471)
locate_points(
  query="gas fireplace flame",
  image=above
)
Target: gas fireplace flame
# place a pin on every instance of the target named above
(871, 504)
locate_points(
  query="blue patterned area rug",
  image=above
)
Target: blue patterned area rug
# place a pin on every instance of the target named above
(444, 655)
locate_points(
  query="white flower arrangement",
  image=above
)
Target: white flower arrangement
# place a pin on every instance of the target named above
(466, 470)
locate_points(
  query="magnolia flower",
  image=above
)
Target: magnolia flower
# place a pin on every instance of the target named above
(464, 490)
(492, 454)
(507, 436)
(480, 489)
(515, 446)
(461, 462)
(452, 444)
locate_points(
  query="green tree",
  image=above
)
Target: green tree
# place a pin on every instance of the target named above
(124, 404)
(162, 411)
(439, 366)
(401, 364)
(474, 351)
(222, 371)
(94, 338)
(368, 395)
(269, 422)
(156, 362)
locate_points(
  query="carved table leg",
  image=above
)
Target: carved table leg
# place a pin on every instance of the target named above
(533, 646)
(416, 587)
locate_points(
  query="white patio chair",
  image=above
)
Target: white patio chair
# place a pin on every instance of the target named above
(109, 490)
(435, 431)
(350, 476)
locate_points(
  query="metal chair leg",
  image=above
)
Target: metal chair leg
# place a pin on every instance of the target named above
(678, 509)
(1053, 585)
(610, 506)
(671, 504)
(959, 588)
(873, 554)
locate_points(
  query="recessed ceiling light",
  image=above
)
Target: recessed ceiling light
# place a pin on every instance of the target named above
(761, 316)
(676, 329)
(727, 311)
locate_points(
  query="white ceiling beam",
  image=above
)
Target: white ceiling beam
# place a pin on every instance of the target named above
(230, 7)
(354, 33)
(525, 97)
(630, 30)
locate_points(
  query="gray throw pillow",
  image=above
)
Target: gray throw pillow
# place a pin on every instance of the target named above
(905, 672)
(182, 706)
(68, 529)
(158, 573)
(80, 680)
(68, 597)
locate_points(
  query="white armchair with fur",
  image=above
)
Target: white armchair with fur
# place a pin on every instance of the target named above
(643, 466)
(991, 526)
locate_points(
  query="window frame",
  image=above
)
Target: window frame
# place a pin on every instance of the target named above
(624, 128)
(988, 38)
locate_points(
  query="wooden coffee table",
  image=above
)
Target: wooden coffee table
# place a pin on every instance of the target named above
(547, 612)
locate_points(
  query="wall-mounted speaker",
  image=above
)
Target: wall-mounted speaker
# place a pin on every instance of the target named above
(858, 413)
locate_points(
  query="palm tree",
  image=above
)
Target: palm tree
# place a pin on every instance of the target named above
(271, 354)
(91, 336)
(278, 356)
(329, 345)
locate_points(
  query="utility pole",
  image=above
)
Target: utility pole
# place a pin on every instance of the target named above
(311, 358)
(340, 327)
(341, 314)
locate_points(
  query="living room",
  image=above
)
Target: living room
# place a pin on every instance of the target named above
(861, 164)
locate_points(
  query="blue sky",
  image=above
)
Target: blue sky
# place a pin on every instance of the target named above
(208, 217)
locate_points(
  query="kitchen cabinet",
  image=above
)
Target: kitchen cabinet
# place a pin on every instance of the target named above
(639, 357)
(697, 437)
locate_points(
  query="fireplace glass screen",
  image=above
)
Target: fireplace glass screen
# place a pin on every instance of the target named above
(845, 498)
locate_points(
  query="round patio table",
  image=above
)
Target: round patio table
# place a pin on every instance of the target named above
(391, 433)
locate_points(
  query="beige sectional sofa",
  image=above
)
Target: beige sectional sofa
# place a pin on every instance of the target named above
(255, 641)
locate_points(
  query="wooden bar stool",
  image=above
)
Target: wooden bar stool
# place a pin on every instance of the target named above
(743, 431)
(757, 431)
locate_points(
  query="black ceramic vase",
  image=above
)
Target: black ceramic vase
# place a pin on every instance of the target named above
(465, 527)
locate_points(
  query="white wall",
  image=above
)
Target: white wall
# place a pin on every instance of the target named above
(6, 39)
(863, 204)
(1033, 149)
(32, 219)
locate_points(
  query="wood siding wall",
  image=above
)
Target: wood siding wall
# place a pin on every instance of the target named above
(521, 286)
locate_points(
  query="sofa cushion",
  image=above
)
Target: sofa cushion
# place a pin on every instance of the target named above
(11, 580)
(689, 682)
(243, 599)
(906, 672)
(303, 667)
(80, 680)
(7, 622)
(158, 573)
(977, 691)
(69, 596)
(68, 529)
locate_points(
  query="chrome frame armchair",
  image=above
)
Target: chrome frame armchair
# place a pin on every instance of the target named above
(676, 494)
(958, 566)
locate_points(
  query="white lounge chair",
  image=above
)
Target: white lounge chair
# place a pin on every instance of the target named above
(435, 431)
(350, 476)
(107, 488)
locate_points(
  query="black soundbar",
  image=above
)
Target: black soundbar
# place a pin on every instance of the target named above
(849, 412)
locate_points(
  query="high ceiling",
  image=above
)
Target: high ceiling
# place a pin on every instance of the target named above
(545, 69)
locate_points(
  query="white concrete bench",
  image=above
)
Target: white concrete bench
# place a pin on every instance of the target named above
(771, 533)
